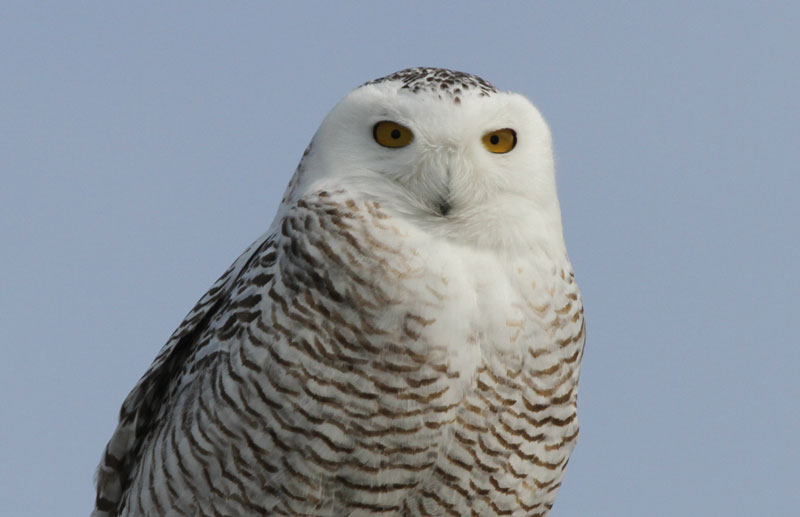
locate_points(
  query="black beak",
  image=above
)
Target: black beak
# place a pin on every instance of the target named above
(444, 207)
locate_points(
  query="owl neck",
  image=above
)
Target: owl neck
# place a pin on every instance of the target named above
(505, 229)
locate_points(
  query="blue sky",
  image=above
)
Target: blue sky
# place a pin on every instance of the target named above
(143, 146)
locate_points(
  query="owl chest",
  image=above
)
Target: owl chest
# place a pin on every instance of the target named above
(480, 309)
(514, 337)
(377, 372)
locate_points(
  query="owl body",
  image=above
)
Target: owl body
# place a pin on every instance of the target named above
(404, 340)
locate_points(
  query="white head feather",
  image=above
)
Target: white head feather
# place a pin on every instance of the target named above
(494, 201)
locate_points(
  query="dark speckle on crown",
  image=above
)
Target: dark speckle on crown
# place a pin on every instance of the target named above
(439, 80)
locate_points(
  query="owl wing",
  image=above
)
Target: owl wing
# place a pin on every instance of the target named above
(155, 390)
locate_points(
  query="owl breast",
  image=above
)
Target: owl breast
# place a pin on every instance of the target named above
(447, 380)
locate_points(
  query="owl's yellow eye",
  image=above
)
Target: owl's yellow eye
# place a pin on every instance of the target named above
(500, 141)
(392, 134)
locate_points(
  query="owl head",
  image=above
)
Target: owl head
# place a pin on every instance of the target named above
(445, 149)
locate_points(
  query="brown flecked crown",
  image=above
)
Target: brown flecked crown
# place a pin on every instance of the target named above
(441, 81)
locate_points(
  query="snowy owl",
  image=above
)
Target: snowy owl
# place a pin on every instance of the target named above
(405, 339)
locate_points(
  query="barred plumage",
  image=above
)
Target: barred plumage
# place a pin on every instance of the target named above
(373, 354)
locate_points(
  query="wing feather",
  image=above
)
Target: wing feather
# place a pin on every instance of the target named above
(155, 390)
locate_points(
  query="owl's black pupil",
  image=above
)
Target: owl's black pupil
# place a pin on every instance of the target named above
(494, 139)
(395, 133)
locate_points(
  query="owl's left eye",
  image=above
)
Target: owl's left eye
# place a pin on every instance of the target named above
(392, 134)
(500, 141)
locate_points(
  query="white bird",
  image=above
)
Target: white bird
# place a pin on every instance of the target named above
(405, 339)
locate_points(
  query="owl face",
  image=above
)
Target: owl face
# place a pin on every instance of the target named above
(447, 151)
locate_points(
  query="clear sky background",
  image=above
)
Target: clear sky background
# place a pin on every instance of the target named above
(144, 145)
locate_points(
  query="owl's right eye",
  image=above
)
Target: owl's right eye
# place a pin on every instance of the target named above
(392, 134)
